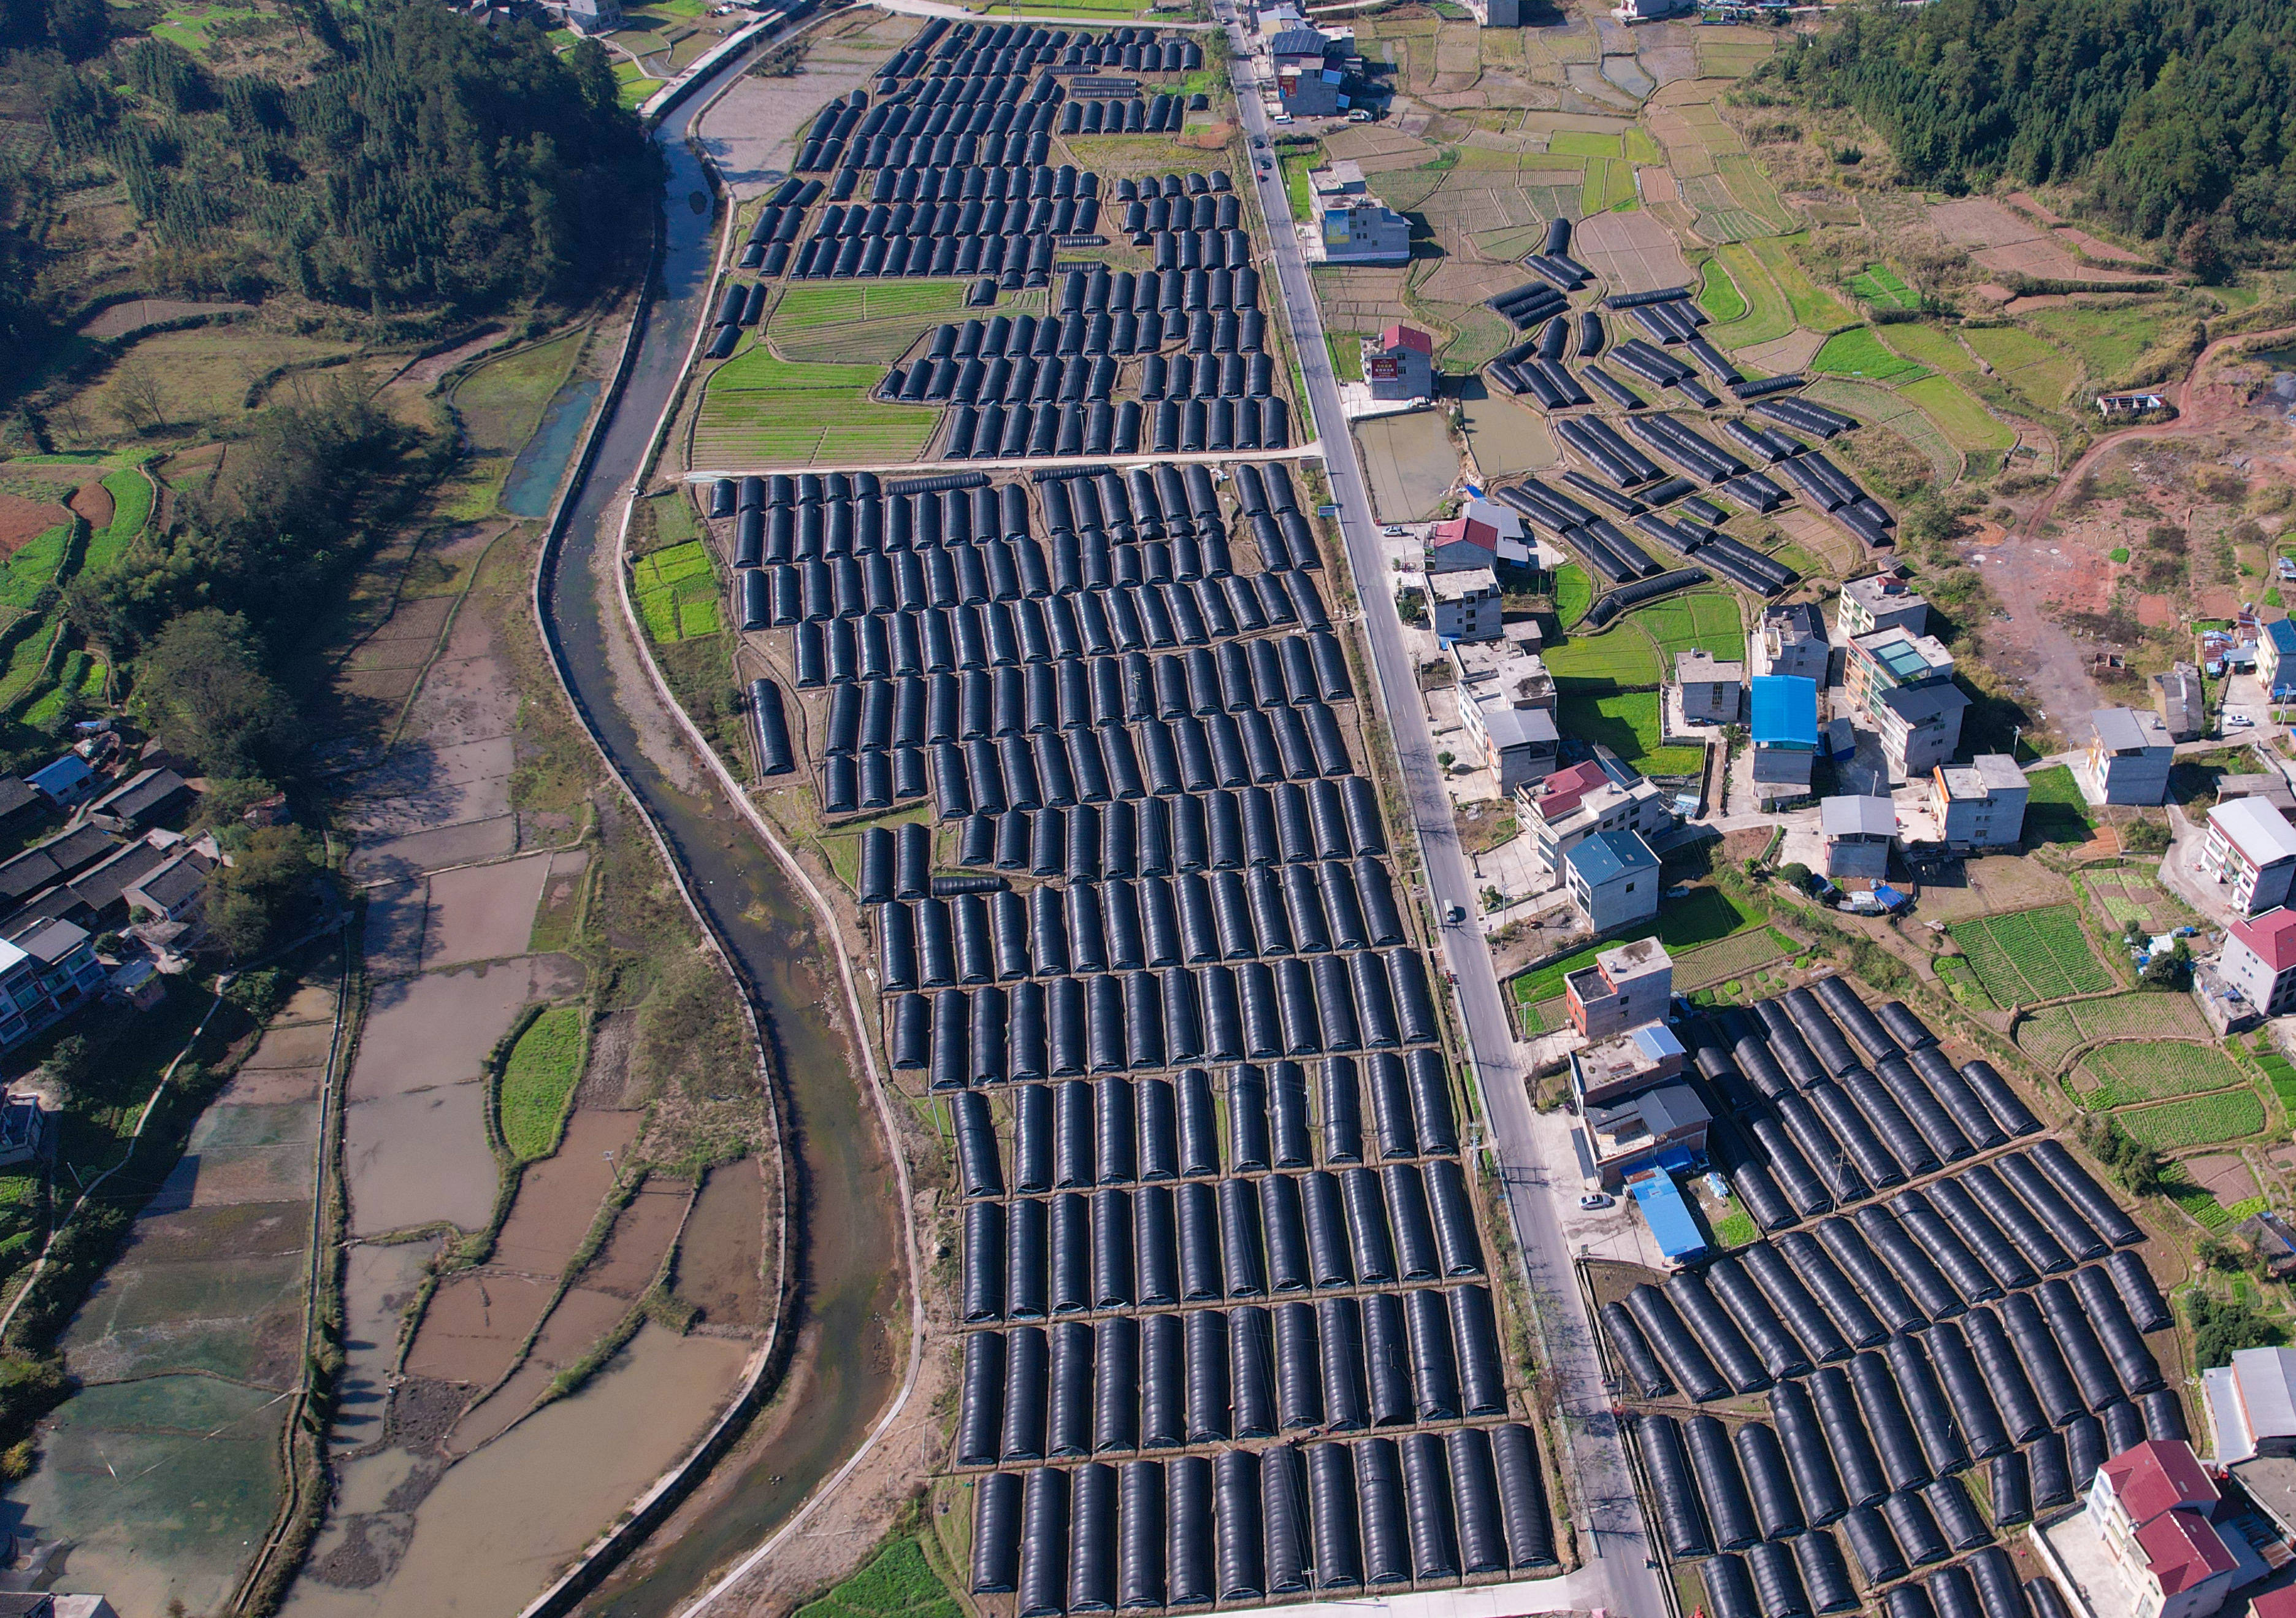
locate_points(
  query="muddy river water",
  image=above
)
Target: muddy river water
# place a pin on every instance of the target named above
(845, 1243)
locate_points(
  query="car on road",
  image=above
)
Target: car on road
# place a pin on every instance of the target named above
(1595, 1199)
(1455, 914)
(1260, 142)
(2237, 721)
(1393, 532)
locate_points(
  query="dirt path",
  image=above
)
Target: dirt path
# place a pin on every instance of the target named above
(2030, 576)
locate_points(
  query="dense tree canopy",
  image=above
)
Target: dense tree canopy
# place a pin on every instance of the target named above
(2179, 115)
(432, 162)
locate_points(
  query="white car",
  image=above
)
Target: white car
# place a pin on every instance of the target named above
(1393, 532)
(1593, 1200)
(2237, 721)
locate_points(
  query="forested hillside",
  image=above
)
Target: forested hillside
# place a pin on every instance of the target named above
(2179, 116)
(427, 162)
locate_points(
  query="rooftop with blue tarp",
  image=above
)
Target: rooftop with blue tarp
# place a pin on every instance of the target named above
(1669, 1216)
(1785, 711)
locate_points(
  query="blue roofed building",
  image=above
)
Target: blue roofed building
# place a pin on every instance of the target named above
(1667, 1211)
(2276, 659)
(1613, 879)
(1784, 733)
(1662, 1128)
(65, 782)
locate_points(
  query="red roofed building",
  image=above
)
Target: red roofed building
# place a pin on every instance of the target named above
(1399, 363)
(2151, 1506)
(2259, 960)
(1461, 543)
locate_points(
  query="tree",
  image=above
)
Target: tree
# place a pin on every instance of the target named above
(1795, 874)
(253, 902)
(67, 1067)
(2222, 1327)
(202, 684)
(139, 398)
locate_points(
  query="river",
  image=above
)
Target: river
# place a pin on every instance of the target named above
(844, 1240)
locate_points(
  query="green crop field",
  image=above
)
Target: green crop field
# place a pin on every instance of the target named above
(676, 593)
(1768, 315)
(2129, 1016)
(131, 509)
(1858, 352)
(1626, 722)
(2282, 1078)
(32, 569)
(2031, 954)
(755, 370)
(1879, 285)
(1878, 405)
(1610, 183)
(1584, 142)
(1813, 306)
(1719, 295)
(897, 1582)
(803, 307)
(2154, 1070)
(1574, 593)
(1698, 619)
(2048, 1035)
(1928, 345)
(2107, 341)
(2031, 365)
(1346, 349)
(1620, 655)
(538, 1080)
(1966, 423)
(2197, 1122)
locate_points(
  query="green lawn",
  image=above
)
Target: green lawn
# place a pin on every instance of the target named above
(1627, 723)
(2107, 341)
(538, 1080)
(1346, 349)
(677, 592)
(1858, 352)
(1719, 295)
(754, 369)
(1879, 285)
(2055, 809)
(1296, 163)
(33, 569)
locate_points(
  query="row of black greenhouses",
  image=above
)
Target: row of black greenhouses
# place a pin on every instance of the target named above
(1126, 1383)
(1076, 1134)
(1256, 1011)
(940, 52)
(1140, 503)
(1127, 924)
(1240, 1527)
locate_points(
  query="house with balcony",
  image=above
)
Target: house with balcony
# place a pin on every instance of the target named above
(1792, 642)
(1882, 601)
(1902, 684)
(1585, 801)
(1612, 877)
(2250, 852)
(46, 971)
(1399, 363)
(1465, 605)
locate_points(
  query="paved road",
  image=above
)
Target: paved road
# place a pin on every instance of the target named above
(1610, 1521)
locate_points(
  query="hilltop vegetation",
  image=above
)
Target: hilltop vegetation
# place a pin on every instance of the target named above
(2173, 114)
(394, 161)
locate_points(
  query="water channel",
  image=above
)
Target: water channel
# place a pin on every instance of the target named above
(844, 1240)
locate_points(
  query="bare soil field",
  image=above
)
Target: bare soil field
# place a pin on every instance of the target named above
(718, 1262)
(558, 1198)
(1634, 251)
(140, 313)
(2000, 239)
(474, 1324)
(482, 912)
(751, 133)
(23, 521)
(1410, 461)
(633, 1253)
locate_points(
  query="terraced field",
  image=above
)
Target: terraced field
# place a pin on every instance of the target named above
(2169, 1125)
(2154, 1070)
(2031, 954)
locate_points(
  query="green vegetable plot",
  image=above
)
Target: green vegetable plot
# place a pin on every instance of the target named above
(2155, 1070)
(2031, 954)
(2226, 1116)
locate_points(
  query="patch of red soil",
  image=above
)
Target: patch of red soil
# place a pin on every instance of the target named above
(23, 521)
(94, 501)
(2157, 611)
